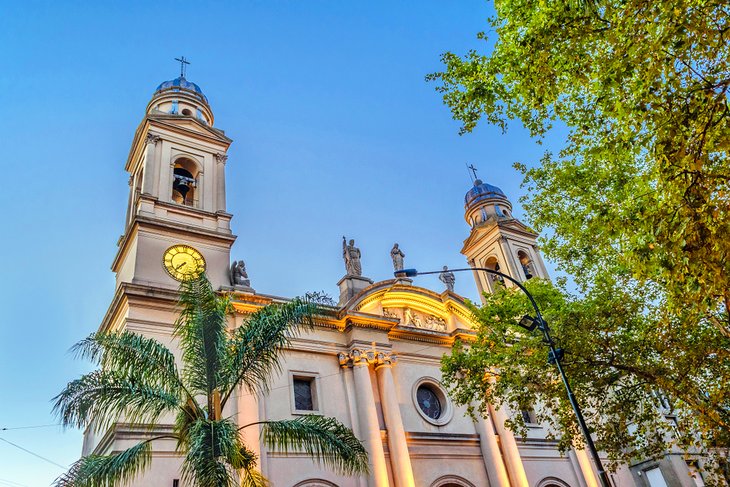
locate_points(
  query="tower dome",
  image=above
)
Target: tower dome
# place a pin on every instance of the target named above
(484, 202)
(181, 84)
(183, 98)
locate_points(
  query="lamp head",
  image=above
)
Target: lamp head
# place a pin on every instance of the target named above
(528, 323)
(406, 273)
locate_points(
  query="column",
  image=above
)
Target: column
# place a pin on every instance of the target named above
(586, 467)
(200, 192)
(511, 451)
(491, 454)
(478, 280)
(400, 459)
(347, 382)
(220, 189)
(149, 164)
(247, 412)
(367, 417)
(509, 261)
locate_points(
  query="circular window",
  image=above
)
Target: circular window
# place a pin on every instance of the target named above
(431, 401)
(187, 112)
(428, 402)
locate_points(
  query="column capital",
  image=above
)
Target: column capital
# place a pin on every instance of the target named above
(153, 138)
(383, 359)
(220, 157)
(359, 356)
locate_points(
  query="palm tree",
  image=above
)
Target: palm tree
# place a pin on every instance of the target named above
(138, 380)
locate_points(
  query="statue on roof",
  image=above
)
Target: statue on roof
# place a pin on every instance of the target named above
(238, 275)
(397, 255)
(351, 254)
(448, 278)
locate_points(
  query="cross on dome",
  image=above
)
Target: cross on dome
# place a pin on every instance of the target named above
(473, 171)
(183, 62)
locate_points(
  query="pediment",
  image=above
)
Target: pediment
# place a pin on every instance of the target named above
(414, 308)
(512, 225)
(189, 125)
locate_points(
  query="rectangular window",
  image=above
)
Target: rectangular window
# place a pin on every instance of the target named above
(303, 394)
(655, 478)
(527, 416)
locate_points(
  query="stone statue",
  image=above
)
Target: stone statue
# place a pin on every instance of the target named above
(239, 276)
(448, 278)
(351, 254)
(397, 255)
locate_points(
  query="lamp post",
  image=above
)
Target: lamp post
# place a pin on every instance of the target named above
(555, 355)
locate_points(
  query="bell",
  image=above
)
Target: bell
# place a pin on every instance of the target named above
(181, 187)
(182, 182)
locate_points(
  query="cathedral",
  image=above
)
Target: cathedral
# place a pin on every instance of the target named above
(373, 363)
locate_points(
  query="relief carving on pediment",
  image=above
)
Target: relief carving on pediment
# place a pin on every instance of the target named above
(411, 318)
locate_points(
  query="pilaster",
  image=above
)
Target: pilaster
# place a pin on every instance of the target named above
(360, 361)
(220, 169)
(150, 163)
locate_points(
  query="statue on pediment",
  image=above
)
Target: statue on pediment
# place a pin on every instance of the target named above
(448, 278)
(397, 255)
(351, 254)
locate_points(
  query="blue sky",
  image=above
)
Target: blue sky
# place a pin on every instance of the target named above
(335, 133)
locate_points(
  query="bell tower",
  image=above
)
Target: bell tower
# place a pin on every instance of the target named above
(497, 239)
(177, 192)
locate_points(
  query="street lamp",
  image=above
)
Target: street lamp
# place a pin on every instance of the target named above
(555, 355)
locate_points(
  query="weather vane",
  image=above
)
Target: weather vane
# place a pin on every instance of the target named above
(472, 172)
(183, 62)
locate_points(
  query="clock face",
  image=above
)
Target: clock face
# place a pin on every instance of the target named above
(428, 402)
(183, 262)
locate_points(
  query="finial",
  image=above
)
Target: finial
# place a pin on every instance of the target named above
(472, 172)
(183, 62)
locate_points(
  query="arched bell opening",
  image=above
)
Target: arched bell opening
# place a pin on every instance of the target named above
(493, 263)
(526, 264)
(184, 182)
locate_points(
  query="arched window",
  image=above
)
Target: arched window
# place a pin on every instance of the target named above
(552, 482)
(315, 483)
(526, 263)
(451, 481)
(493, 263)
(184, 182)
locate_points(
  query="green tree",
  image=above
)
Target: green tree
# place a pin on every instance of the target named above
(635, 203)
(642, 184)
(139, 380)
(642, 394)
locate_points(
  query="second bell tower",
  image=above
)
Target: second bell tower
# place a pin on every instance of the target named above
(176, 218)
(498, 240)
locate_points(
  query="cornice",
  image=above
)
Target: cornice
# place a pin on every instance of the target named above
(479, 232)
(142, 222)
(165, 121)
(170, 122)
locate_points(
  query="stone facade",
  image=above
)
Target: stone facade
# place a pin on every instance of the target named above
(372, 362)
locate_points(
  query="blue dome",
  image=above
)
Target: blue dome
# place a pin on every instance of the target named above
(180, 83)
(482, 191)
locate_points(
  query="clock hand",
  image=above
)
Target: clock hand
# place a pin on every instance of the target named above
(178, 267)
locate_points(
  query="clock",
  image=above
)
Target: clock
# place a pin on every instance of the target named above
(183, 262)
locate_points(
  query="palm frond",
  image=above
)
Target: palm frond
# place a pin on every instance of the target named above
(255, 348)
(253, 478)
(201, 329)
(107, 470)
(327, 440)
(133, 355)
(102, 397)
(210, 444)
